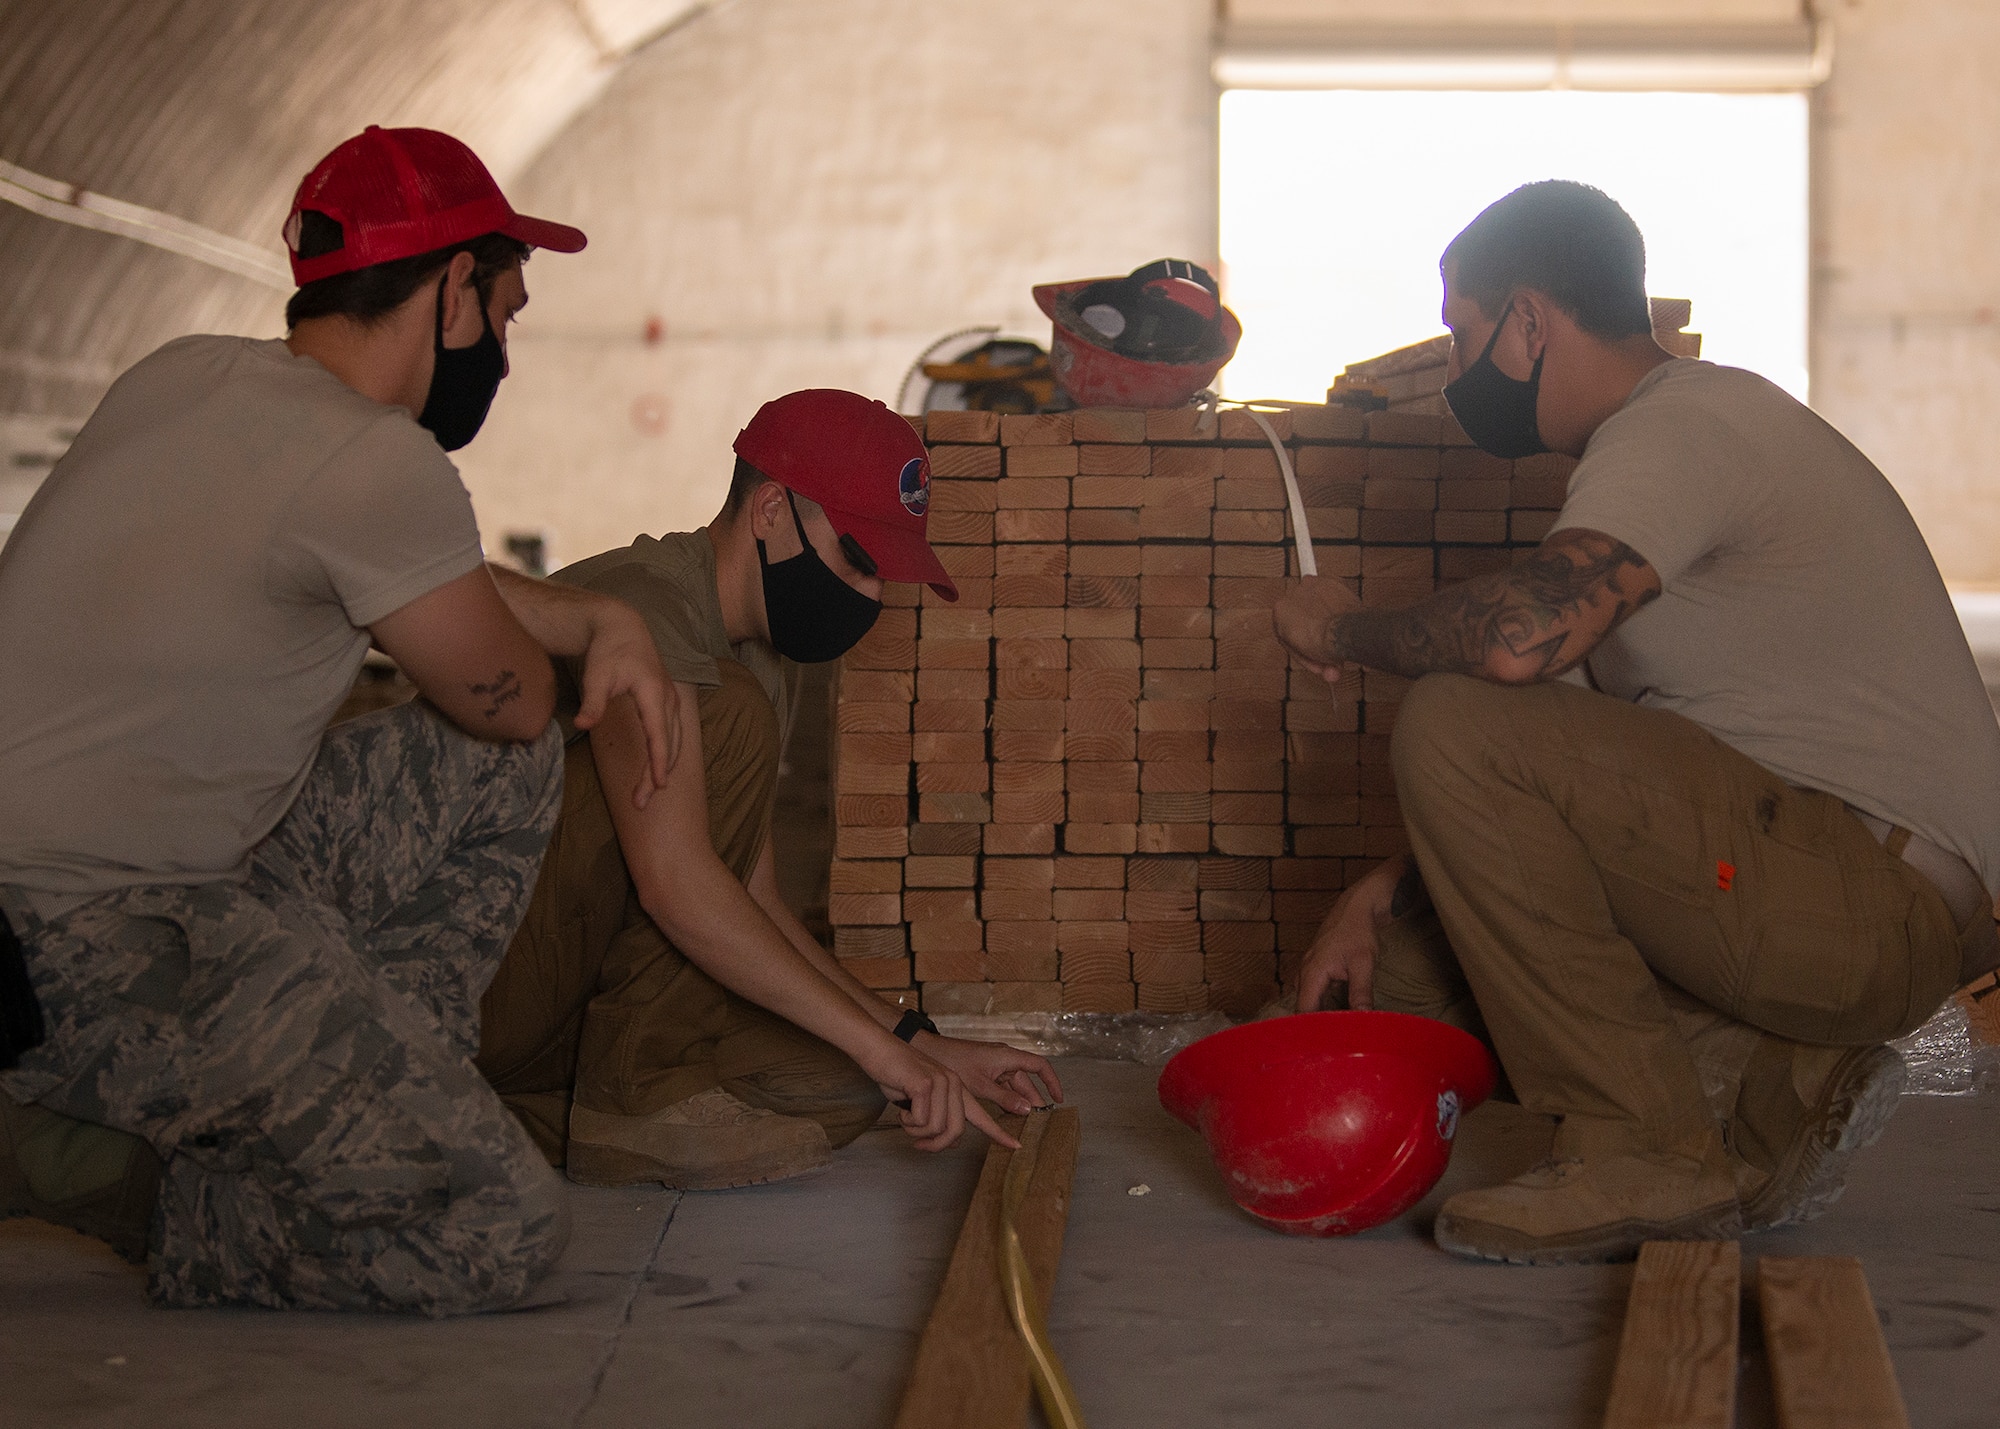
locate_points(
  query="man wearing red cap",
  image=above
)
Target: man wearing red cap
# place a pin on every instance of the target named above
(242, 1001)
(662, 1016)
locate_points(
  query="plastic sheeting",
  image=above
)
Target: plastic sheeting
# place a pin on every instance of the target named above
(1146, 1037)
(1946, 1058)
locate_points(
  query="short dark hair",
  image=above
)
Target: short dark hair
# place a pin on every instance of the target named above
(1566, 239)
(370, 294)
(742, 484)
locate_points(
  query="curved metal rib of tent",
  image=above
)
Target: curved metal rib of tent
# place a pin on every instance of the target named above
(196, 118)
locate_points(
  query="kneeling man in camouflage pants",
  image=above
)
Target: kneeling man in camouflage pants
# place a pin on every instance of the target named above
(242, 980)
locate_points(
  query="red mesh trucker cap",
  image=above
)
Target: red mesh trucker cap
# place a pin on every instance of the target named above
(864, 465)
(399, 192)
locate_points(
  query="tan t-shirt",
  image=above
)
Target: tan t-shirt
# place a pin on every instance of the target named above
(670, 580)
(183, 603)
(1802, 619)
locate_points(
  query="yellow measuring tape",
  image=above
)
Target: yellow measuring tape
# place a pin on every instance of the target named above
(1052, 1386)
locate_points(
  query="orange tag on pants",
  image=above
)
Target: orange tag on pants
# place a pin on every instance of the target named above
(1725, 874)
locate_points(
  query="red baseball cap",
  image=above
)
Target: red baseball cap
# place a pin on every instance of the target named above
(399, 192)
(864, 465)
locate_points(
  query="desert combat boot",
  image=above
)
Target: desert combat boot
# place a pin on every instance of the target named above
(1801, 1114)
(708, 1142)
(1575, 1212)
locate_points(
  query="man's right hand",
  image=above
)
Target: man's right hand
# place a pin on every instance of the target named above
(1347, 943)
(939, 1103)
(1303, 619)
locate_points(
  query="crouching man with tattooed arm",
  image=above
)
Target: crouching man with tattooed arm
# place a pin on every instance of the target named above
(1699, 792)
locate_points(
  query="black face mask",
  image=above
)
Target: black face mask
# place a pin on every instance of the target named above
(463, 381)
(814, 615)
(1498, 411)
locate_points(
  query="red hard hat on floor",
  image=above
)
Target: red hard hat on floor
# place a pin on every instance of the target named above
(1329, 1122)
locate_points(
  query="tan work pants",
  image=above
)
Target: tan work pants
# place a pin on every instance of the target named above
(1581, 852)
(593, 1002)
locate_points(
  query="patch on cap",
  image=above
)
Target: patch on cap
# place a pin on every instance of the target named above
(914, 487)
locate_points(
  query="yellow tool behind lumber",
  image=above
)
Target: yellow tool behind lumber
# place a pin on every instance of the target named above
(1024, 1303)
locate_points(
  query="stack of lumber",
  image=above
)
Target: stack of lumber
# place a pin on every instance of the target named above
(1093, 784)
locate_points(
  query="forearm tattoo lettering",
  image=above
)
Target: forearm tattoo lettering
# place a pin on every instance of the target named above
(499, 692)
(1533, 621)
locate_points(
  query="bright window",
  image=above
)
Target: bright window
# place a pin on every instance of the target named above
(1337, 203)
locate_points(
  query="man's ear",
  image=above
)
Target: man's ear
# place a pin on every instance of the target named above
(461, 302)
(1536, 312)
(767, 511)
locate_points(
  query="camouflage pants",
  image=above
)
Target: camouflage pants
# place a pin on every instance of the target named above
(298, 1047)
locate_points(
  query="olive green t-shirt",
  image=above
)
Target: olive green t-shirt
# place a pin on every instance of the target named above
(670, 581)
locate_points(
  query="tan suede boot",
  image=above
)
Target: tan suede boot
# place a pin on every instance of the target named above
(708, 1142)
(1802, 1113)
(94, 1179)
(1572, 1212)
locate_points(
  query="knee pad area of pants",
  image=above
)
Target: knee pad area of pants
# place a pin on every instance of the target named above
(546, 757)
(535, 770)
(1438, 720)
(504, 1244)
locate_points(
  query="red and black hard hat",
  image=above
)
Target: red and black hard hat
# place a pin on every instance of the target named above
(864, 465)
(399, 192)
(1152, 338)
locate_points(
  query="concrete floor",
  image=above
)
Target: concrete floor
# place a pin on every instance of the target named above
(799, 1305)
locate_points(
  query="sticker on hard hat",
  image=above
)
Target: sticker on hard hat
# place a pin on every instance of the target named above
(1447, 1115)
(914, 486)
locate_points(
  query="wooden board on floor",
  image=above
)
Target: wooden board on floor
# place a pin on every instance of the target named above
(972, 1368)
(1677, 1357)
(1981, 1000)
(1829, 1365)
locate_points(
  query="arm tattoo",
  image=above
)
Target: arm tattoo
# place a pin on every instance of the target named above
(501, 690)
(1530, 622)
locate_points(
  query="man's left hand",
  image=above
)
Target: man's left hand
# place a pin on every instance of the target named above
(621, 659)
(996, 1072)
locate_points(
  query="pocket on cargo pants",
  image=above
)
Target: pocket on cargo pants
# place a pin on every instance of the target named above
(1844, 945)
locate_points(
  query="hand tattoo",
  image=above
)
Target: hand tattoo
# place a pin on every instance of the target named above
(1530, 622)
(500, 691)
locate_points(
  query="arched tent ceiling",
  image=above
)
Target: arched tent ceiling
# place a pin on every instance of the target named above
(211, 110)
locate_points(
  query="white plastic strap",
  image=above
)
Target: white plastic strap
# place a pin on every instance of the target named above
(1308, 565)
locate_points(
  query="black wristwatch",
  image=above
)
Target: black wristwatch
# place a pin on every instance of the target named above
(914, 1022)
